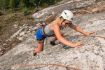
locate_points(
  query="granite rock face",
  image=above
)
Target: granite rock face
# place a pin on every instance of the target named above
(89, 57)
(70, 5)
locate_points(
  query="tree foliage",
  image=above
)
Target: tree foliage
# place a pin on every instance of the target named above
(14, 4)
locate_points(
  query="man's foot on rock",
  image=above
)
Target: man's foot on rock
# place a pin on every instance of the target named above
(34, 54)
(53, 43)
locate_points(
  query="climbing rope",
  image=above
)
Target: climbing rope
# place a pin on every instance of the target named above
(89, 36)
(96, 20)
(95, 36)
(98, 36)
(41, 65)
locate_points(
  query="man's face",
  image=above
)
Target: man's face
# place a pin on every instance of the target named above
(66, 23)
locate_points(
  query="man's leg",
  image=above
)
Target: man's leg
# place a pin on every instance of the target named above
(39, 47)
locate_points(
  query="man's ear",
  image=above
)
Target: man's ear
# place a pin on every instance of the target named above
(62, 20)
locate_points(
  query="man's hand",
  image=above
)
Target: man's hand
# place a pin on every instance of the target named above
(78, 44)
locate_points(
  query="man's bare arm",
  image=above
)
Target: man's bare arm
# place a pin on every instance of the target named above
(79, 29)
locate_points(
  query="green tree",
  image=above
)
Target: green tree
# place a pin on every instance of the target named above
(14, 4)
(1, 4)
(25, 4)
(4, 4)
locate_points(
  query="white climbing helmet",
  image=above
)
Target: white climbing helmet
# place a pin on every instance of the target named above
(67, 14)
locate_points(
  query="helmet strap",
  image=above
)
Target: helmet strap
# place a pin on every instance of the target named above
(62, 21)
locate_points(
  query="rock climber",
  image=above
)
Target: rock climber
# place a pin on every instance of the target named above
(54, 29)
